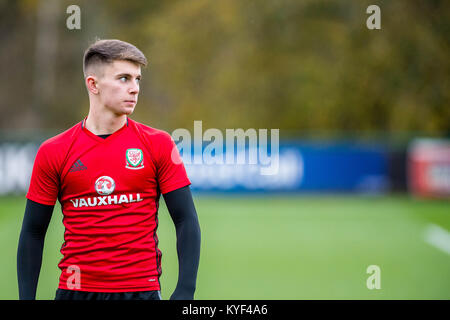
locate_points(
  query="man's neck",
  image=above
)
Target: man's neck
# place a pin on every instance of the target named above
(99, 123)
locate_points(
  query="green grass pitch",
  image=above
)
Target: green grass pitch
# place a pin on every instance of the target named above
(281, 247)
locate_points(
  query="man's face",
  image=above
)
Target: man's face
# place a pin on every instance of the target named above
(118, 86)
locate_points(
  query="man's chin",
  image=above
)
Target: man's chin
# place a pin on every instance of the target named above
(127, 110)
(122, 109)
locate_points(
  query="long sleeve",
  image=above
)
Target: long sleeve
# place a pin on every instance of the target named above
(182, 211)
(31, 243)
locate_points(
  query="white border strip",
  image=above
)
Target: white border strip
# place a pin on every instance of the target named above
(438, 237)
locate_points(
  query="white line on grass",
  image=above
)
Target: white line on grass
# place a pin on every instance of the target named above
(438, 237)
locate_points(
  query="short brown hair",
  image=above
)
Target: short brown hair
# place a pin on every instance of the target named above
(108, 50)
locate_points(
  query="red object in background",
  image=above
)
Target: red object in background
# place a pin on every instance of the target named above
(429, 168)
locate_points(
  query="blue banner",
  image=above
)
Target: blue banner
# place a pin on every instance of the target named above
(309, 167)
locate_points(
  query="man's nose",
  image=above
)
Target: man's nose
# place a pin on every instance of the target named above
(134, 89)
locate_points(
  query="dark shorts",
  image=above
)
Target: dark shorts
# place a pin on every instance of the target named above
(62, 294)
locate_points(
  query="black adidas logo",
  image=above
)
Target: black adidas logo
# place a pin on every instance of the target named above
(78, 166)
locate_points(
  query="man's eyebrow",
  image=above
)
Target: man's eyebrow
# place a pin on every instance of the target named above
(127, 75)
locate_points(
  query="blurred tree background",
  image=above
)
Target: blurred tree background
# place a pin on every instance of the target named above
(308, 67)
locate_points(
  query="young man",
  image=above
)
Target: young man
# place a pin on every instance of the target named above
(108, 173)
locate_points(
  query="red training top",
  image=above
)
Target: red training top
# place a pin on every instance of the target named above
(109, 192)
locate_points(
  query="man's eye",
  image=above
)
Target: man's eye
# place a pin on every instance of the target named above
(138, 80)
(123, 79)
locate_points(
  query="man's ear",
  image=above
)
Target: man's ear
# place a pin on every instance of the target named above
(91, 84)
